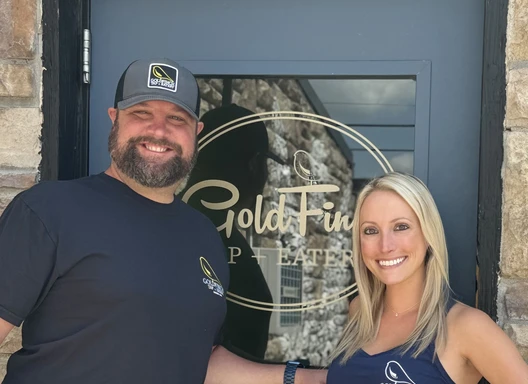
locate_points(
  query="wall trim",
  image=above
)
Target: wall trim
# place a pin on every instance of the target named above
(65, 96)
(491, 154)
(49, 166)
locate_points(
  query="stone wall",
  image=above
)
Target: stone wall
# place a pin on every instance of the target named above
(20, 113)
(319, 329)
(513, 300)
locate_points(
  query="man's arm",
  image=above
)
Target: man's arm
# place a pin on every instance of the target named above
(5, 328)
(227, 368)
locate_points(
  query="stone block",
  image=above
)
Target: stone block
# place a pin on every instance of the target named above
(518, 332)
(517, 31)
(516, 299)
(209, 94)
(517, 98)
(18, 29)
(514, 253)
(217, 84)
(20, 129)
(246, 96)
(292, 89)
(16, 81)
(15, 178)
(265, 98)
(6, 195)
(204, 107)
(12, 342)
(3, 363)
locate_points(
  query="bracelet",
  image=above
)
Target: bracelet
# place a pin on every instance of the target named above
(289, 372)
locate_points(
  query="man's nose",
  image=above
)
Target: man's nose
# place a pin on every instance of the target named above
(157, 126)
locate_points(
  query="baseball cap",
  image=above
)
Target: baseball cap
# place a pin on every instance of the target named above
(158, 79)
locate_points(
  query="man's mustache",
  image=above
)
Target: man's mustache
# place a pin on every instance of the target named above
(154, 141)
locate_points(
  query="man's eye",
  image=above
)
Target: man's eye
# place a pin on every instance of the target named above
(370, 231)
(140, 112)
(176, 118)
(401, 227)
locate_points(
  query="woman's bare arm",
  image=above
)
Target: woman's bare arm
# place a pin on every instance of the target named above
(489, 349)
(5, 328)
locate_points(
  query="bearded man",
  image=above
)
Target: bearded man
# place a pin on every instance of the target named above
(116, 279)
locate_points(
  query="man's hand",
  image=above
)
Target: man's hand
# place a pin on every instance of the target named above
(228, 368)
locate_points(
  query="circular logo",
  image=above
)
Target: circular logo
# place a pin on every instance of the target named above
(305, 167)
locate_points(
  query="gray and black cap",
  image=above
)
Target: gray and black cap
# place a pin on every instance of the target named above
(158, 79)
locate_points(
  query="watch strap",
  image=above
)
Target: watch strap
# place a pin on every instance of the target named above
(289, 372)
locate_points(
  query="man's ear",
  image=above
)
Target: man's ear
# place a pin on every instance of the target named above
(199, 127)
(112, 113)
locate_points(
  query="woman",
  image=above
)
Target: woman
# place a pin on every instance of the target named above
(404, 325)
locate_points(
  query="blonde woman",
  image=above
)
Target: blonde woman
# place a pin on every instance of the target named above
(404, 325)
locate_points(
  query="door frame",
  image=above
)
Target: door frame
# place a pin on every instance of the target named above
(65, 98)
(66, 120)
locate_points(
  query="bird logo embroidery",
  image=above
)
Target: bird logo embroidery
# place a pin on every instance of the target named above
(395, 373)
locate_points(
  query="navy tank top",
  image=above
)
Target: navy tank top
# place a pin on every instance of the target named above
(390, 367)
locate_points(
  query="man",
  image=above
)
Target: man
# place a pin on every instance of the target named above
(115, 279)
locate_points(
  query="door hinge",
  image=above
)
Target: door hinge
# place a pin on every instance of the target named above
(86, 64)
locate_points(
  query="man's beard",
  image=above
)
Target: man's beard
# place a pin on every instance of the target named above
(150, 174)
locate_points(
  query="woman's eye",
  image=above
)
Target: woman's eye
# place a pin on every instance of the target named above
(401, 227)
(370, 231)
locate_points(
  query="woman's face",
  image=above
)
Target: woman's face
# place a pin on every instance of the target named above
(393, 246)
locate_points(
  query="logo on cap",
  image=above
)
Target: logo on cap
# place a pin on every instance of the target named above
(163, 76)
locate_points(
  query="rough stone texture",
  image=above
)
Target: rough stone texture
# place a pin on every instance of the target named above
(518, 332)
(12, 342)
(18, 29)
(517, 31)
(17, 178)
(515, 299)
(512, 302)
(514, 255)
(20, 144)
(319, 329)
(517, 98)
(3, 362)
(16, 81)
(6, 195)
(211, 97)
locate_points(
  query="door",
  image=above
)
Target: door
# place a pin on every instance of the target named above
(406, 75)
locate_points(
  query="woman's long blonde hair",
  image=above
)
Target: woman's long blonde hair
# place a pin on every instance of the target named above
(363, 324)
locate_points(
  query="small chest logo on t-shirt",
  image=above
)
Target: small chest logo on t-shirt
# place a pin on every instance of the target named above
(396, 374)
(211, 280)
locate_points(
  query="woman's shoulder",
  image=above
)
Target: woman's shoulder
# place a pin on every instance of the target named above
(461, 313)
(465, 322)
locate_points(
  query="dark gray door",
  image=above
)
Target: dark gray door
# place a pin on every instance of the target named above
(436, 44)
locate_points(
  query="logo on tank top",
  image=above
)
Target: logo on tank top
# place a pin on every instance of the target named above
(396, 374)
(211, 280)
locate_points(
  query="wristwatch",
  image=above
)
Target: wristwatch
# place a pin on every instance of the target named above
(289, 372)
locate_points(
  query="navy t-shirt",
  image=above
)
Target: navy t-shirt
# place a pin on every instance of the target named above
(112, 287)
